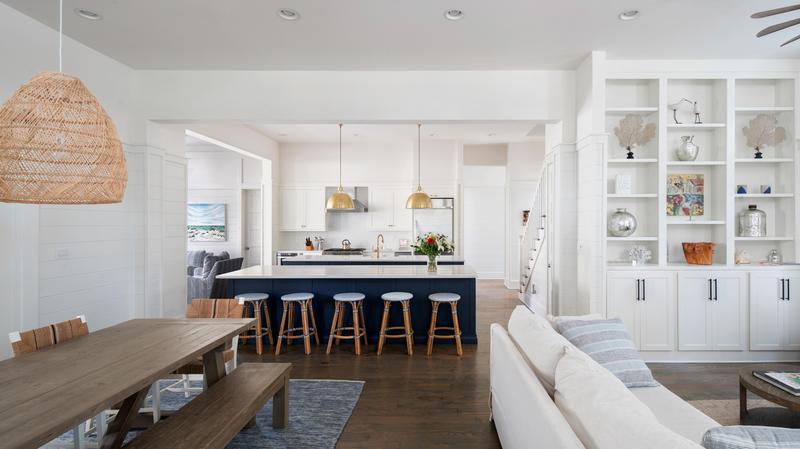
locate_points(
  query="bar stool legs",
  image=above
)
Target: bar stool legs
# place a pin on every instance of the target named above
(257, 301)
(287, 330)
(436, 300)
(337, 325)
(408, 332)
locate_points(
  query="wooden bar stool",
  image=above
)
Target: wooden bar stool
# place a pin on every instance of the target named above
(452, 299)
(356, 301)
(257, 301)
(404, 299)
(287, 331)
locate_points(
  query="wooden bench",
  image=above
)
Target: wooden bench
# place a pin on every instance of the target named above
(212, 419)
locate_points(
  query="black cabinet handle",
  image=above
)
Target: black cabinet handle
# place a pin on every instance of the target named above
(644, 289)
(716, 291)
(788, 289)
(783, 289)
(638, 297)
(710, 298)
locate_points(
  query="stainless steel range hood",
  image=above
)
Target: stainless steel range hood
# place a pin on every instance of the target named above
(360, 196)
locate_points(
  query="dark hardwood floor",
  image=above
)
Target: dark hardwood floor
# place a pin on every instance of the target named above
(442, 401)
(414, 402)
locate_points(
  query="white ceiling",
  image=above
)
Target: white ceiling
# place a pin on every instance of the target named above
(470, 133)
(413, 34)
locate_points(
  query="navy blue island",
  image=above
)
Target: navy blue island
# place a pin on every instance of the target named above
(324, 281)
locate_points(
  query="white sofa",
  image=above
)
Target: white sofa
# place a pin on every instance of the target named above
(527, 417)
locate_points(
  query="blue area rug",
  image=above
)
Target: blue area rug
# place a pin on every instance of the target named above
(318, 412)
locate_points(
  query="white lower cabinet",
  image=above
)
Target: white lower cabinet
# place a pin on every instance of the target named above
(774, 311)
(712, 309)
(645, 302)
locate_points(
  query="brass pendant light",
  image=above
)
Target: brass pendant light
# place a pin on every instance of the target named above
(340, 199)
(419, 199)
(57, 143)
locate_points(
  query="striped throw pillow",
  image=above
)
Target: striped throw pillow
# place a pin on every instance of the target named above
(751, 437)
(609, 344)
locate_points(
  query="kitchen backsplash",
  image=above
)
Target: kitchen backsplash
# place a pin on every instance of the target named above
(352, 226)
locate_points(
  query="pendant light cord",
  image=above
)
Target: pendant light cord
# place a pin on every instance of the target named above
(60, 33)
(419, 156)
(340, 156)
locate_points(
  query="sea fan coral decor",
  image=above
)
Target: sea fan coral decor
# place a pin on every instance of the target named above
(632, 131)
(763, 131)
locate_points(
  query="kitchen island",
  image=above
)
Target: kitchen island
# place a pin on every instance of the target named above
(324, 281)
(384, 259)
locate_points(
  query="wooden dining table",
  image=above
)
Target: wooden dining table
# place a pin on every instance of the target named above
(48, 392)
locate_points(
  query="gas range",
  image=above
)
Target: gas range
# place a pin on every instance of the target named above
(343, 252)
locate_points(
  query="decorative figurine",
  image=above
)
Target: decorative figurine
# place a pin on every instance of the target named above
(774, 257)
(695, 110)
(741, 189)
(742, 257)
(766, 189)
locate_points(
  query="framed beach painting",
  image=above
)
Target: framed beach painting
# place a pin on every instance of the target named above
(685, 195)
(206, 222)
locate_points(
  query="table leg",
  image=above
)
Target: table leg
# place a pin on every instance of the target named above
(213, 366)
(280, 406)
(118, 428)
(742, 403)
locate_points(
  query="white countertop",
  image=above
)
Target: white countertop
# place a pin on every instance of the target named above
(368, 258)
(351, 272)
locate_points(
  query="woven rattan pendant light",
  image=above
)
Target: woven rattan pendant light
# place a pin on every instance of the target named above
(58, 145)
(340, 199)
(419, 199)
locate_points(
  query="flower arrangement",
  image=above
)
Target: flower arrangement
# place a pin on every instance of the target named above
(433, 245)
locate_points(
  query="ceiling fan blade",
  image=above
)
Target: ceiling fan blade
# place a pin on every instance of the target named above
(773, 12)
(791, 40)
(778, 27)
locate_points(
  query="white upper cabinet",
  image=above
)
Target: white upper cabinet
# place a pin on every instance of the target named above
(645, 302)
(387, 209)
(711, 311)
(302, 209)
(774, 312)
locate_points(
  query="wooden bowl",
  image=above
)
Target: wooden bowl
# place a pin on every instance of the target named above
(699, 253)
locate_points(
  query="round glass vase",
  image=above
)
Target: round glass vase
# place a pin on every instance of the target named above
(433, 265)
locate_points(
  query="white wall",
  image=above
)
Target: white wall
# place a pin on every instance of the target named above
(215, 175)
(484, 219)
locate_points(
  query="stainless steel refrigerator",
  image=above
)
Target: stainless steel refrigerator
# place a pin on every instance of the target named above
(439, 219)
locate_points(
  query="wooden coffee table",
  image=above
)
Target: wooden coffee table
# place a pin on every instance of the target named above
(748, 382)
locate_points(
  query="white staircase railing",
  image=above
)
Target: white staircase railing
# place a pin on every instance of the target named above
(532, 243)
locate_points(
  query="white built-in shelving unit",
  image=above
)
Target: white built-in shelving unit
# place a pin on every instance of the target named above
(727, 104)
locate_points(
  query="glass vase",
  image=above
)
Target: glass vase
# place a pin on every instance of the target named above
(433, 265)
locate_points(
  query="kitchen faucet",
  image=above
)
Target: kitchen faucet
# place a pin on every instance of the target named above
(378, 243)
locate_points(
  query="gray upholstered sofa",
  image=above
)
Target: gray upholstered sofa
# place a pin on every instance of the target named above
(201, 279)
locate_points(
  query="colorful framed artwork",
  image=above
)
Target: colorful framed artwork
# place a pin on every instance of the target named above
(685, 195)
(206, 222)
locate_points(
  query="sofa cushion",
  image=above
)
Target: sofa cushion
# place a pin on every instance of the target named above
(208, 263)
(610, 344)
(604, 413)
(542, 346)
(195, 258)
(554, 320)
(751, 437)
(675, 413)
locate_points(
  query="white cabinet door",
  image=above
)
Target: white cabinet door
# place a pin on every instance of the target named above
(729, 311)
(292, 209)
(656, 311)
(315, 213)
(623, 297)
(766, 321)
(695, 294)
(402, 216)
(381, 209)
(791, 314)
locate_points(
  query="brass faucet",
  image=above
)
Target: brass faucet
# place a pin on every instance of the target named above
(378, 243)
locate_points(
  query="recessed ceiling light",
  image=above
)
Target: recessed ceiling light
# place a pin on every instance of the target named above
(432, 135)
(282, 135)
(288, 14)
(491, 134)
(629, 14)
(454, 14)
(355, 135)
(87, 14)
